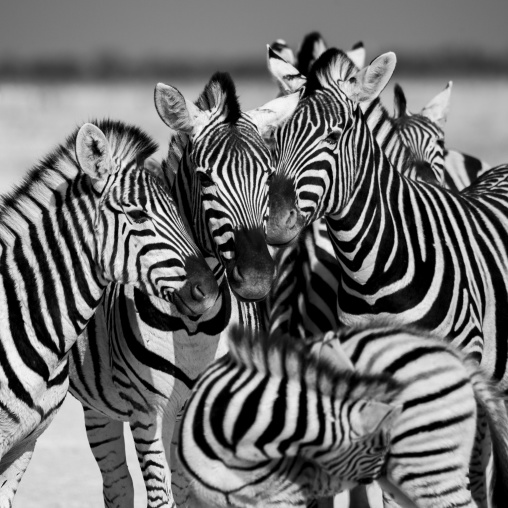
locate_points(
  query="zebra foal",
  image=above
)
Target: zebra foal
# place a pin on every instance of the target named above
(84, 217)
(278, 422)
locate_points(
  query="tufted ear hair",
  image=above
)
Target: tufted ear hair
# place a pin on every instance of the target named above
(287, 76)
(357, 55)
(370, 81)
(374, 417)
(176, 111)
(399, 102)
(437, 109)
(270, 116)
(94, 155)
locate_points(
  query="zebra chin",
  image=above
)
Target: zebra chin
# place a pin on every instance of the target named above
(252, 271)
(200, 291)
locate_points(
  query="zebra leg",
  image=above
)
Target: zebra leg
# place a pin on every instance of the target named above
(150, 433)
(479, 459)
(108, 446)
(12, 474)
(358, 497)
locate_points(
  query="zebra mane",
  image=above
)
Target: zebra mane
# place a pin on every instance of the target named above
(61, 165)
(306, 53)
(293, 359)
(320, 70)
(221, 91)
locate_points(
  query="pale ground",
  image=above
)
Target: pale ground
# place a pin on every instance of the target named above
(35, 118)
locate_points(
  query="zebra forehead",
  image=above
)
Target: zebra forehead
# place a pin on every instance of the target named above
(240, 141)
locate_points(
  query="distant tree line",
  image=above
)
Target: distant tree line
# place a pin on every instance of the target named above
(109, 67)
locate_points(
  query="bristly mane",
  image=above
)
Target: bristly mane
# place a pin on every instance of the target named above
(306, 51)
(221, 83)
(292, 359)
(322, 66)
(128, 140)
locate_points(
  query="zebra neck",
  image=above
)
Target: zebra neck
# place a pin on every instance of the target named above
(387, 135)
(375, 214)
(48, 280)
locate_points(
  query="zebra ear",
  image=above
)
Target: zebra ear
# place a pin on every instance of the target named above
(330, 348)
(357, 55)
(284, 51)
(268, 117)
(399, 102)
(374, 417)
(369, 82)
(437, 109)
(287, 76)
(176, 111)
(94, 155)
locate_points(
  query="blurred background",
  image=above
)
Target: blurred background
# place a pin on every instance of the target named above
(64, 62)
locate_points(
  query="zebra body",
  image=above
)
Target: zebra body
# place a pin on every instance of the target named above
(74, 226)
(410, 252)
(146, 356)
(279, 422)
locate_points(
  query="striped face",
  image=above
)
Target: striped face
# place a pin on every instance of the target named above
(306, 174)
(227, 167)
(315, 149)
(140, 238)
(423, 134)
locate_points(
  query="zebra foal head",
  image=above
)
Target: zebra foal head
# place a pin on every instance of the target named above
(139, 236)
(315, 149)
(225, 169)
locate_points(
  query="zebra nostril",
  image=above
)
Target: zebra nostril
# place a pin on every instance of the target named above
(197, 293)
(237, 276)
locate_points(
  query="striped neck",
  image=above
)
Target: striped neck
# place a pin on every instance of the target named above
(47, 235)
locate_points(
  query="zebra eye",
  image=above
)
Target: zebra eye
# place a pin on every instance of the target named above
(332, 138)
(205, 177)
(138, 216)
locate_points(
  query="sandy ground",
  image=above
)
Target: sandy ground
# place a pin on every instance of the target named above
(35, 118)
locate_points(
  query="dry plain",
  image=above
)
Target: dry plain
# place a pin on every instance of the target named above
(34, 118)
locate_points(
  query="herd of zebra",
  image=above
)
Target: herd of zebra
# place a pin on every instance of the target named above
(300, 299)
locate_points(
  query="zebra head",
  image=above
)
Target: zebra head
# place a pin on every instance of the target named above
(315, 149)
(423, 133)
(139, 236)
(224, 172)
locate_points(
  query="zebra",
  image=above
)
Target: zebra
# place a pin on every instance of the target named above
(140, 358)
(277, 422)
(308, 272)
(85, 217)
(460, 169)
(410, 252)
